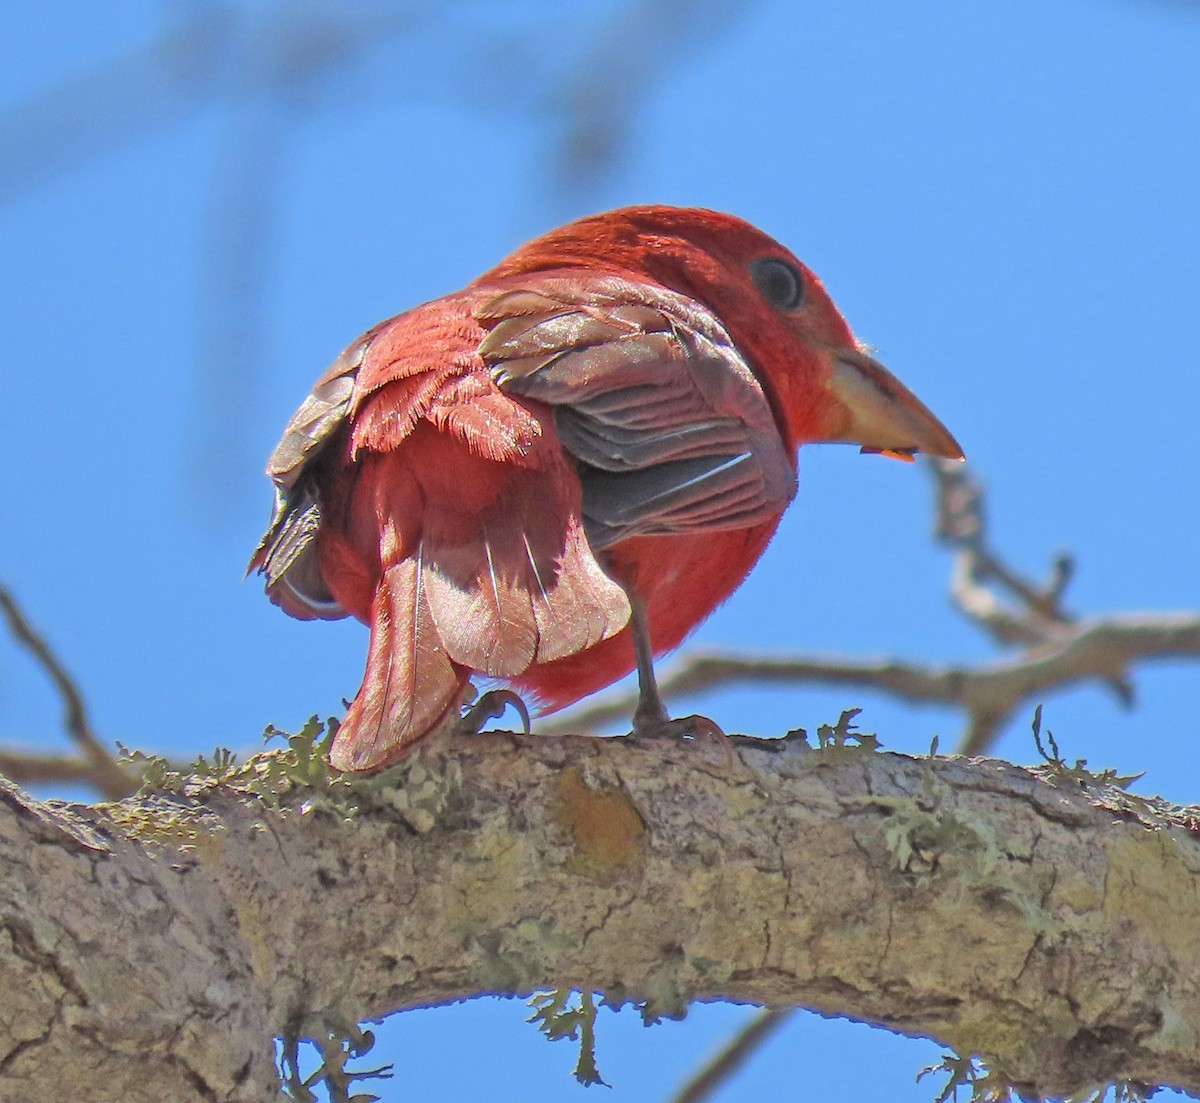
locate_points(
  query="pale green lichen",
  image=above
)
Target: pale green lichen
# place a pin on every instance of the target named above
(338, 1043)
(1057, 771)
(918, 837)
(153, 770)
(299, 776)
(928, 836)
(921, 831)
(426, 793)
(841, 740)
(558, 1018)
(981, 1082)
(272, 775)
(971, 1074)
(169, 807)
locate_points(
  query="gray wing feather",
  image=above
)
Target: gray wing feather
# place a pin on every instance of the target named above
(287, 553)
(671, 430)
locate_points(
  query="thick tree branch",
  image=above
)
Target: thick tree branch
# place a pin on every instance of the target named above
(1049, 928)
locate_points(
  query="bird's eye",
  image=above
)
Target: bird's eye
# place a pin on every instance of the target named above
(781, 285)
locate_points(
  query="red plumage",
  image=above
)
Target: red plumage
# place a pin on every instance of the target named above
(606, 420)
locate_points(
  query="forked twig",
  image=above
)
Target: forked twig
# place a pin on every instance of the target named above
(961, 524)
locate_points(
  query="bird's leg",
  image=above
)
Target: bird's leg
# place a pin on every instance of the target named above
(650, 711)
(651, 716)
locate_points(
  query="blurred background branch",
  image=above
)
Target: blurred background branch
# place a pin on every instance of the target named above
(93, 764)
(1054, 650)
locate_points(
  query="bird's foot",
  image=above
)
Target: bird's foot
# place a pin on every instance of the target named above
(685, 727)
(491, 706)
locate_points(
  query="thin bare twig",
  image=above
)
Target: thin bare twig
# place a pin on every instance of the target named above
(961, 525)
(732, 1055)
(1039, 617)
(97, 765)
(1096, 649)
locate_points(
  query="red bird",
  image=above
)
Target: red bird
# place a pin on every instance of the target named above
(558, 472)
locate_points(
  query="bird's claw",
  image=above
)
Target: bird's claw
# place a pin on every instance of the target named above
(491, 706)
(685, 727)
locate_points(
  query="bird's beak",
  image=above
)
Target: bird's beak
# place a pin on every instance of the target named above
(875, 410)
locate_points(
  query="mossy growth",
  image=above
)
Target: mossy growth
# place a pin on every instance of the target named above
(303, 765)
(162, 821)
(168, 807)
(298, 776)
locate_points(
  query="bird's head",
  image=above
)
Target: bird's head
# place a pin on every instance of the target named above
(822, 384)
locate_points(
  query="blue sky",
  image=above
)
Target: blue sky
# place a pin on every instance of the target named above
(1000, 197)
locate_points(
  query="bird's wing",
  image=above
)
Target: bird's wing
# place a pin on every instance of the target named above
(670, 429)
(287, 553)
(413, 492)
(417, 366)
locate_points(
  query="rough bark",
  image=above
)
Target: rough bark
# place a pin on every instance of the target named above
(150, 949)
